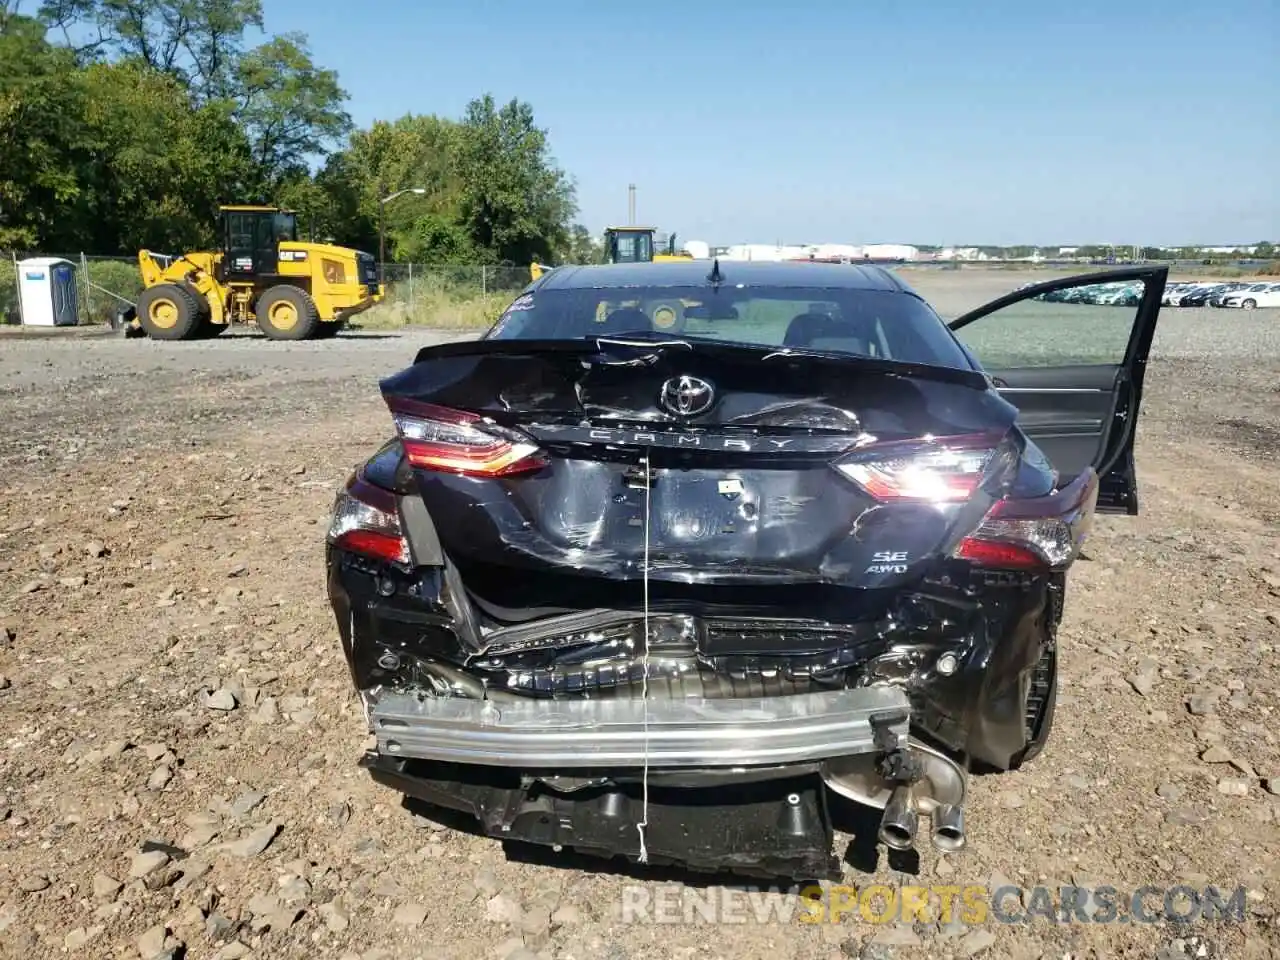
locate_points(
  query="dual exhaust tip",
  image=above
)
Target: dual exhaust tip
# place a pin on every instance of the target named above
(901, 823)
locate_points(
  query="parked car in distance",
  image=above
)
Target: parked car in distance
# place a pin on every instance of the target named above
(1254, 296)
(1200, 297)
(1175, 292)
(1223, 291)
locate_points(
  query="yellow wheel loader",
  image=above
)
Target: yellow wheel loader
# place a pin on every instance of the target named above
(636, 245)
(263, 274)
(630, 245)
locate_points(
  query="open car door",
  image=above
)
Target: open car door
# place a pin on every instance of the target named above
(1070, 354)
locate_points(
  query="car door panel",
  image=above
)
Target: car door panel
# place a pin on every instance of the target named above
(1079, 403)
(1065, 410)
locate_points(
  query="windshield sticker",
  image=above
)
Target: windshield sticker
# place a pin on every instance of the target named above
(524, 302)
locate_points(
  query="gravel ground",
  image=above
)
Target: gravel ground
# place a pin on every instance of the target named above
(180, 735)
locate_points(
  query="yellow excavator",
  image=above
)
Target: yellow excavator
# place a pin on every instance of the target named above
(631, 245)
(293, 290)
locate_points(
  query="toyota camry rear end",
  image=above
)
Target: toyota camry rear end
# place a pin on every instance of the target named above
(672, 552)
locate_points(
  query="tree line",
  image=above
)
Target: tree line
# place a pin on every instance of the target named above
(125, 123)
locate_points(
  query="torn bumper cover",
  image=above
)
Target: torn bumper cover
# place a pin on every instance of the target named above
(688, 732)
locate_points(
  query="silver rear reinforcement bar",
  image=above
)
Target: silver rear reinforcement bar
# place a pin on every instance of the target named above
(685, 732)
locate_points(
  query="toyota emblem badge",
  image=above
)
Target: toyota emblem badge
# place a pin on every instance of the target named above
(687, 396)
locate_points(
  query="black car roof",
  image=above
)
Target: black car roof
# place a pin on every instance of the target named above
(694, 273)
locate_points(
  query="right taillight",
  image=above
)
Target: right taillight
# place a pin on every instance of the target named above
(366, 521)
(933, 470)
(1035, 533)
(454, 441)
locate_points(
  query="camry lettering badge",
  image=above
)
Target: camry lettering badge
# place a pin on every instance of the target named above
(686, 396)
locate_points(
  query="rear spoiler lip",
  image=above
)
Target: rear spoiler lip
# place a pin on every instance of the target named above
(972, 378)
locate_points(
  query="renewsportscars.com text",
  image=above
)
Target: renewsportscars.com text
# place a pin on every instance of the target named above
(972, 904)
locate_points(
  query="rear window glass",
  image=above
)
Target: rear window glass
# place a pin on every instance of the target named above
(868, 323)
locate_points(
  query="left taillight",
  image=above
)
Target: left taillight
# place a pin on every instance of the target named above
(366, 521)
(1035, 533)
(454, 441)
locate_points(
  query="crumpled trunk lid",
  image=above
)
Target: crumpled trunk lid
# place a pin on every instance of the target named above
(637, 471)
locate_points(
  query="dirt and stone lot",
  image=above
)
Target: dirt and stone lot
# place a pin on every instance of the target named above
(180, 738)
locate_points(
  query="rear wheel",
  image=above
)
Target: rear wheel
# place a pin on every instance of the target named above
(169, 312)
(1249, 304)
(287, 313)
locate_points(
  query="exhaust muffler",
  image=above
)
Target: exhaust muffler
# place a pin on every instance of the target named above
(900, 822)
(938, 793)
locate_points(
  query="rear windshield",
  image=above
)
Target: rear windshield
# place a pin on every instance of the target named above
(867, 323)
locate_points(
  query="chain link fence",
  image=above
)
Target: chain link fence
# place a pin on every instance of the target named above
(464, 297)
(469, 297)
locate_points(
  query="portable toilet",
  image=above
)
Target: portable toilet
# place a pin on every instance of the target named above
(47, 292)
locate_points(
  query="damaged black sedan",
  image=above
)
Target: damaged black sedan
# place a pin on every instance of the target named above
(674, 549)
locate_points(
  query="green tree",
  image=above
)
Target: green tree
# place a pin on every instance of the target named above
(516, 203)
(434, 239)
(317, 219)
(41, 103)
(1265, 250)
(198, 41)
(408, 153)
(166, 162)
(582, 247)
(116, 155)
(152, 112)
(290, 109)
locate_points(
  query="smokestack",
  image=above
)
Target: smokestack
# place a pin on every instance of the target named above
(631, 204)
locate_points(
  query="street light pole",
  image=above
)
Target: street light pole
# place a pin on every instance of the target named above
(382, 207)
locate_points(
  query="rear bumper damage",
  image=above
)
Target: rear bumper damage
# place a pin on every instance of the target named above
(542, 732)
(730, 785)
(573, 774)
(768, 828)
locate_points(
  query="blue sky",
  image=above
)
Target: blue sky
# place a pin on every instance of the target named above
(992, 121)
